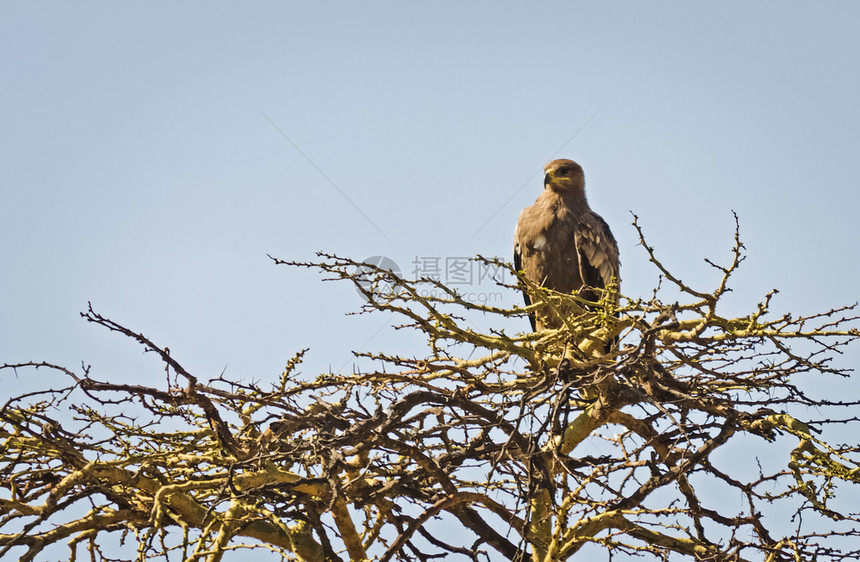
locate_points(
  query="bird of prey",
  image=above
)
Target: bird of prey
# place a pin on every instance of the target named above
(560, 243)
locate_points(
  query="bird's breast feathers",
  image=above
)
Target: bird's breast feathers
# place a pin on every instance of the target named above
(540, 222)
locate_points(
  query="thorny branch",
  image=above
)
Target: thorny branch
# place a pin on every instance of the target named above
(531, 450)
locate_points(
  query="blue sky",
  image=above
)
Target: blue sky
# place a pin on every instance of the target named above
(140, 169)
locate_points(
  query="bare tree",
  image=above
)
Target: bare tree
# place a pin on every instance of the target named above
(535, 445)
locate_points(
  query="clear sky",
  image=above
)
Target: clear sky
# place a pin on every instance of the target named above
(152, 154)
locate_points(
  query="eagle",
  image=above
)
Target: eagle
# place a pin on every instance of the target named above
(560, 243)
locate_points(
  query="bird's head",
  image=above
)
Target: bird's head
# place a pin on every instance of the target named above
(563, 176)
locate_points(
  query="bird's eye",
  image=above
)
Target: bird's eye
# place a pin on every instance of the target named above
(563, 171)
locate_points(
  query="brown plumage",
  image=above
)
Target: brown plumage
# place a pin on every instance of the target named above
(562, 244)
